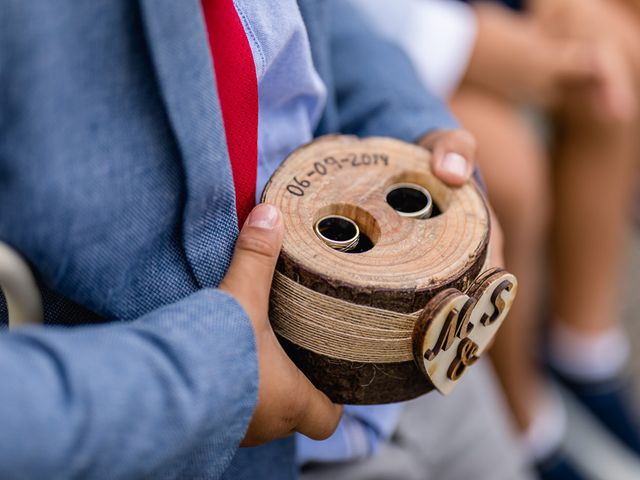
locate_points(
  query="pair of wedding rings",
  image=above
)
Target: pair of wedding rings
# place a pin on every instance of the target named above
(343, 234)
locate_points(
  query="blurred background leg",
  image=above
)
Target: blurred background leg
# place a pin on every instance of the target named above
(514, 166)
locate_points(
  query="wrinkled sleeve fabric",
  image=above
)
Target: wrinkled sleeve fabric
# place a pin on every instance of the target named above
(361, 433)
(126, 400)
(378, 90)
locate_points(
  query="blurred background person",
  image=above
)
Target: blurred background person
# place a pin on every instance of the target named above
(568, 176)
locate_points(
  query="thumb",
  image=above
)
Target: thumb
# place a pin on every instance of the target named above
(254, 259)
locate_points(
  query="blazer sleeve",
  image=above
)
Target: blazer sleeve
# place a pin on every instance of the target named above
(378, 90)
(128, 399)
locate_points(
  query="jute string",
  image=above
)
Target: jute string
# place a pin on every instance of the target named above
(339, 329)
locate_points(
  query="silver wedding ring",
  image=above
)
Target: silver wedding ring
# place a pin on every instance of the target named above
(410, 200)
(338, 232)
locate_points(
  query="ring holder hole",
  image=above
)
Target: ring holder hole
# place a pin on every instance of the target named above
(411, 195)
(410, 200)
(340, 233)
(346, 228)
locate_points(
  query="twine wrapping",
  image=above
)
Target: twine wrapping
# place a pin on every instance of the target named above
(339, 329)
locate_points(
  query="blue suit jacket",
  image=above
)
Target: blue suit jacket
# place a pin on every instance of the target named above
(115, 185)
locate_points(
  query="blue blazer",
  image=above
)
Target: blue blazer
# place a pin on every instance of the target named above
(115, 185)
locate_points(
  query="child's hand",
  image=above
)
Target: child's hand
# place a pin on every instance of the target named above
(453, 155)
(453, 161)
(287, 401)
(496, 242)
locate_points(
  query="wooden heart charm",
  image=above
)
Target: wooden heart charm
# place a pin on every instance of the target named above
(372, 237)
(455, 329)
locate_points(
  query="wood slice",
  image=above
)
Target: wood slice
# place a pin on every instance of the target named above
(408, 263)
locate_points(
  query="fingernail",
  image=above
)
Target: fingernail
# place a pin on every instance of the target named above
(455, 164)
(263, 216)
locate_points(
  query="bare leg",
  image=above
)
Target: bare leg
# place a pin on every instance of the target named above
(595, 164)
(515, 170)
(592, 184)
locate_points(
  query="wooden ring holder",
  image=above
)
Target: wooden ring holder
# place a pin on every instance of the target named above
(427, 276)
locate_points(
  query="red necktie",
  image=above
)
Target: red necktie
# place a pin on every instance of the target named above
(238, 93)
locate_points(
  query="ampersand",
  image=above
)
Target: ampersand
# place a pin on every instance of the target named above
(467, 356)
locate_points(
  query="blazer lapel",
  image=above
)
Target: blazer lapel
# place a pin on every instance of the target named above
(180, 50)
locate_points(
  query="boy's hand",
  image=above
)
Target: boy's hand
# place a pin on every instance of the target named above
(496, 242)
(287, 401)
(453, 161)
(453, 155)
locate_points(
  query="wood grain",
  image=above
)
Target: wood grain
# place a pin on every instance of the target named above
(411, 261)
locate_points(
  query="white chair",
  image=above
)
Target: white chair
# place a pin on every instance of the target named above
(19, 288)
